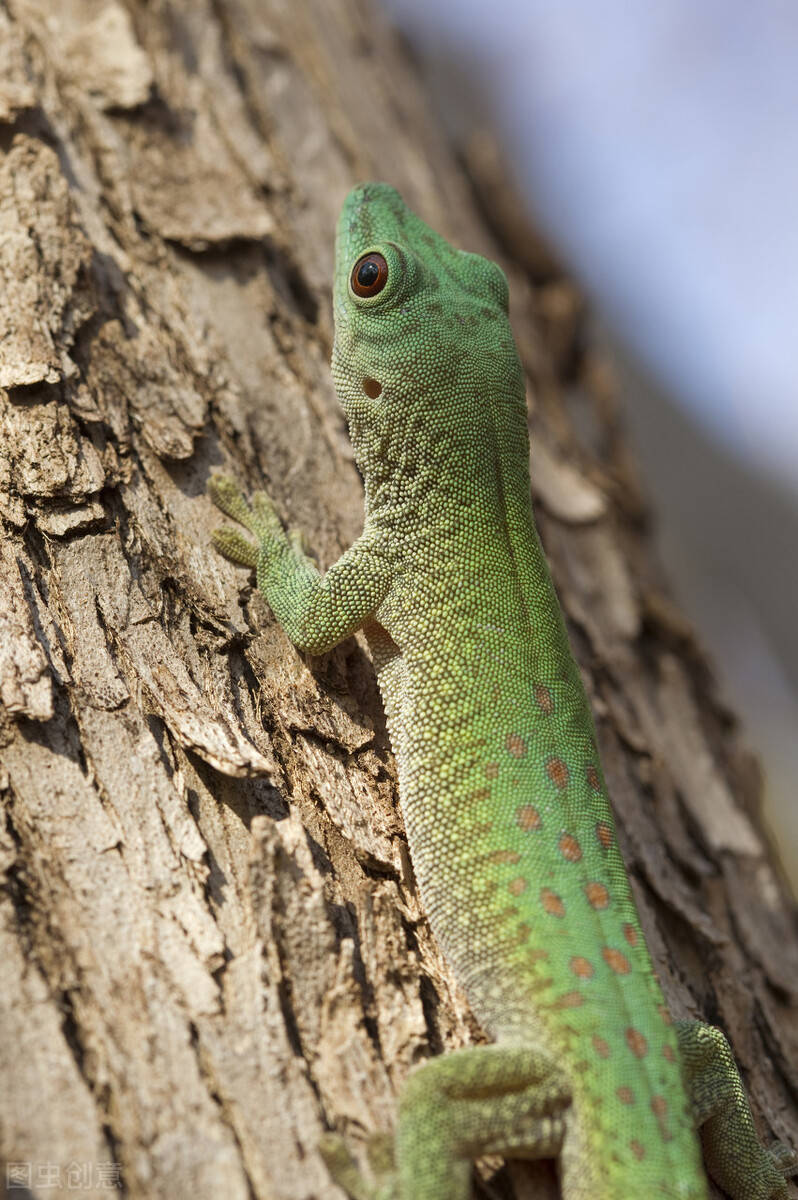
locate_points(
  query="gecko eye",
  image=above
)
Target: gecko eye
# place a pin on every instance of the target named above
(369, 275)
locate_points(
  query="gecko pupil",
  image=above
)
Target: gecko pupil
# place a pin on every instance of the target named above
(369, 275)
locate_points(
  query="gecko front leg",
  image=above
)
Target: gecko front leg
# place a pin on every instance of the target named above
(316, 611)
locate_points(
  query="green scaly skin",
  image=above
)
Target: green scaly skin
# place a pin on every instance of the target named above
(507, 815)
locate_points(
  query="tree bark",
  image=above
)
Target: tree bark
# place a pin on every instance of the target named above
(212, 945)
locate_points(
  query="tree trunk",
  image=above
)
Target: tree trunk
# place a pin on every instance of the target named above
(212, 945)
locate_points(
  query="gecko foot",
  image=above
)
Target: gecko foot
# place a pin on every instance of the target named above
(785, 1159)
(345, 1172)
(261, 519)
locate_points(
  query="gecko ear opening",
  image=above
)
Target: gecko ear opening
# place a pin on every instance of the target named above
(372, 388)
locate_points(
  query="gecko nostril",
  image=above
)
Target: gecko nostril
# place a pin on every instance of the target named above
(372, 388)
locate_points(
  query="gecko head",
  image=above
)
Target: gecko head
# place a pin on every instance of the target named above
(422, 337)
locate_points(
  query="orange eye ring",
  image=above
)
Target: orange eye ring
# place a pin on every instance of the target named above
(369, 275)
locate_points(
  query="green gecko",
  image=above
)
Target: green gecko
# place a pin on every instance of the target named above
(504, 801)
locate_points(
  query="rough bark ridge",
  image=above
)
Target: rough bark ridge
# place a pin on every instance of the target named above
(212, 948)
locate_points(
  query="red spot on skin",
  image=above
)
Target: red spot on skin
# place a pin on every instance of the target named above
(618, 962)
(659, 1107)
(569, 1000)
(636, 1043)
(570, 848)
(503, 856)
(528, 818)
(516, 886)
(638, 1149)
(491, 770)
(593, 778)
(669, 1053)
(601, 1047)
(597, 895)
(604, 835)
(557, 772)
(516, 745)
(630, 933)
(581, 967)
(666, 1016)
(625, 1095)
(552, 903)
(543, 697)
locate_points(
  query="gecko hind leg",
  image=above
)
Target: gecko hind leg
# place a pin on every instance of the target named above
(733, 1153)
(344, 1170)
(506, 1100)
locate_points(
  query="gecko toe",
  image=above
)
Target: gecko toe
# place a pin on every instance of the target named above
(266, 518)
(344, 1171)
(234, 546)
(226, 495)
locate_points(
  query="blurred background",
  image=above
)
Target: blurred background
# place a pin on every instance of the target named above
(657, 149)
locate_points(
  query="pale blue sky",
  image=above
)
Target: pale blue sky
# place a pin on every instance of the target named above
(659, 146)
